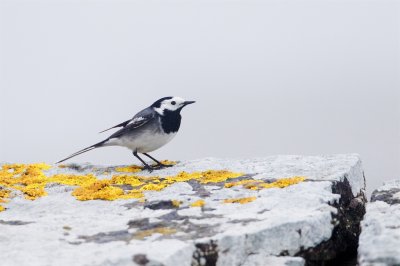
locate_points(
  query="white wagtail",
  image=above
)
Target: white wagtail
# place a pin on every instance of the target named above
(147, 131)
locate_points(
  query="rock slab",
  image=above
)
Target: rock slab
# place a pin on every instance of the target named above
(191, 223)
(380, 236)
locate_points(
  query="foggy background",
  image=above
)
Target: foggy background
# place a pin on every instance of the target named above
(269, 77)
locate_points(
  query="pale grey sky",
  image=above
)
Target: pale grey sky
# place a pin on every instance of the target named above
(269, 77)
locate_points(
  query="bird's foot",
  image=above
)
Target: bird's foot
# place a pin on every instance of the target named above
(148, 168)
(161, 166)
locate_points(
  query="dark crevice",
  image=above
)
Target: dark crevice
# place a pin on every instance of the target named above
(206, 254)
(341, 248)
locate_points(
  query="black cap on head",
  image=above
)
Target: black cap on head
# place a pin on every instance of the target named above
(157, 103)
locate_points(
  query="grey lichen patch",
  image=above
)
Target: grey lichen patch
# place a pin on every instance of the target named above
(101, 238)
(139, 223)
(195, 230)
(77, 167)
(133, 205)
(161, 205)
(145, 224)
(202, 192)
(388, 196)
(126, 236)
(125, 187)
(186, 224)
(243, 221)
(144, 228)
(89, 168)
(173, 216)
(16, 222)
(199, 189)
(179, 223)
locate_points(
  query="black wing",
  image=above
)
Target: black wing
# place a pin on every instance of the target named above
(137, 121)
(123, 124)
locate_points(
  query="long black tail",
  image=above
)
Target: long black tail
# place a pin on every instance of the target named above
(97, 145)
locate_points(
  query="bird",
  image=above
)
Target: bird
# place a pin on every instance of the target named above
(147, 131)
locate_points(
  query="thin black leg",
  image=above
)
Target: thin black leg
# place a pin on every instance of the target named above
(148, 155)
(146, 166)
(158, 162)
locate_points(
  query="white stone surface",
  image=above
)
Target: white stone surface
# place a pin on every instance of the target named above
(255, 260)
(380, 234)
(287, 219)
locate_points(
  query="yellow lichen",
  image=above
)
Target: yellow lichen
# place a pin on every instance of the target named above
(34, 191)
(158, 230)
(134, 181)
(168, 162)
(284, 182)
(198, 203)
(154, 187)
(176, 203)
(129, 169)
(73, 180)
(4, 194)
(14, 169)
(247, 183)
(210, 176)
(27, 178)
(100, 189)
(240, 200)
(31, 180)
(260, 184)
(133, 194)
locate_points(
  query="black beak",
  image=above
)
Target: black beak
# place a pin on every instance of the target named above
(188, 102)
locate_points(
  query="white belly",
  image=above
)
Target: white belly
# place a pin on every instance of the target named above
(143, 143)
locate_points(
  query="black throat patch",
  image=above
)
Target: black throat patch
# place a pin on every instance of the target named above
(171, 121)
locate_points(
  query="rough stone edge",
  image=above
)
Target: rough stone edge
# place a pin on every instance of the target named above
(381, 198)
(343, 244)
(341, 247)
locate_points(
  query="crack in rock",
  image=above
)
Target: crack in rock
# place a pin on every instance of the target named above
(342, 246)
(380, 237)
(206, 254)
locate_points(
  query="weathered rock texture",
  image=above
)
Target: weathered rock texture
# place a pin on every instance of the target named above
(380, 237)
(195, 222)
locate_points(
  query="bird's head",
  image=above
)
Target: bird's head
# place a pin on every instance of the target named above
(171, 104)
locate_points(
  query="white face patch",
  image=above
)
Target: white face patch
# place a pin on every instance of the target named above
(171, 104)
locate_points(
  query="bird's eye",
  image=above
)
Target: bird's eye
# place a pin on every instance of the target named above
(173, 102)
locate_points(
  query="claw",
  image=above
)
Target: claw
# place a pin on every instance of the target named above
(148, 168)
(161, 166)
